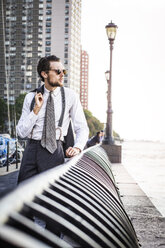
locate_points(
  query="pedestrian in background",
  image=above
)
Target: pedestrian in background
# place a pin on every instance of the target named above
(94, 140)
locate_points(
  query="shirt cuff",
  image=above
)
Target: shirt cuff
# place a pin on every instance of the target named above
(79, 146)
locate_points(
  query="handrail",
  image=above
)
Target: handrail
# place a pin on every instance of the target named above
(78, 202)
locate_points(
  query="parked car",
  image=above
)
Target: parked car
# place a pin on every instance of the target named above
(4, 140)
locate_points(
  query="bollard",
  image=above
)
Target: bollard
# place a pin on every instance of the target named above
(16, 144)
(7, 161)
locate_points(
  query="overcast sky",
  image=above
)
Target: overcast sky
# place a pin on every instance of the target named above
(138, 75)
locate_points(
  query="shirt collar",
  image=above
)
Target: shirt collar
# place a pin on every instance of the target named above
(55, 92)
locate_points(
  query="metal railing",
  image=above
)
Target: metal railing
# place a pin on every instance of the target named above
(78, 203)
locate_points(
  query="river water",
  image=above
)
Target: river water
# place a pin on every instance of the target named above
(145, 162)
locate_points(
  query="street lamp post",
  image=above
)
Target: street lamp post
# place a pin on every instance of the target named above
(111, 33)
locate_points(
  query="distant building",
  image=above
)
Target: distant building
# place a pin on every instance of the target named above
(30, 29)
(84, 79)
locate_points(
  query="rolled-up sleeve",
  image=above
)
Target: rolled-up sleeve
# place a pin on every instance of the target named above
(28, 119)
(79, 123)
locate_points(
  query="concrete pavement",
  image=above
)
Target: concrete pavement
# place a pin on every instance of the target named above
(8, 180)
(147, 221)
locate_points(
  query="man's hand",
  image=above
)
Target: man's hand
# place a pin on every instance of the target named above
(72, 151)
(38, 103)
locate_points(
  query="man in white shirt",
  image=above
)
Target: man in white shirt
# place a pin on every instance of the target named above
(37, 158)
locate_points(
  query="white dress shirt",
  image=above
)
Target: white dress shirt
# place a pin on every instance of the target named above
(31, 125)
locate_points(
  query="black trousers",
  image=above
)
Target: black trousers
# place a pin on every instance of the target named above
(37, 159)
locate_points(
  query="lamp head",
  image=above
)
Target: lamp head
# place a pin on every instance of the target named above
(111, 29)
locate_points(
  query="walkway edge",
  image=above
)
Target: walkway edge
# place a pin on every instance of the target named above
(147, 221)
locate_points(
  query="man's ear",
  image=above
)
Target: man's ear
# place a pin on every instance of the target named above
(44, 74)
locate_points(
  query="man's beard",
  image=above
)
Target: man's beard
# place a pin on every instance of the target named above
(56, 84)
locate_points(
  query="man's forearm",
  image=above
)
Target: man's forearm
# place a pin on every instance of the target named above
(36, 110)
(26, 124)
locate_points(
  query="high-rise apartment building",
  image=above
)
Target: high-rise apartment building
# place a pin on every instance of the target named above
(30, 29)
(20, 47)
(62, 36)
(84, 79)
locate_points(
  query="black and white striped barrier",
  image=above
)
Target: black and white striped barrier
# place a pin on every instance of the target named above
(76, 203)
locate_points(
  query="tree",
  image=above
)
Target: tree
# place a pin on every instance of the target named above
(3, 114)
(19, 104)
(116, 135)
(93, 123)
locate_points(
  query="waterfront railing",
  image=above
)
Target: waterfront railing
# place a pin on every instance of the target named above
(76, 204)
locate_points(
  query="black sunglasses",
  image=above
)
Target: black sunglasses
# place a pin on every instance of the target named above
(58, 71)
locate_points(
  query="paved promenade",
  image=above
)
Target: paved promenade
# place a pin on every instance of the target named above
(8, 180)
(147, 221)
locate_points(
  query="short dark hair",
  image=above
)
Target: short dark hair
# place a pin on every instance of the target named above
(44, 64)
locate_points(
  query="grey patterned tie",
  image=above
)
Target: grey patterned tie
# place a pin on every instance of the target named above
(48, 140)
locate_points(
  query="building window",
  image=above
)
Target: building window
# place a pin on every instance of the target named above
(28, 73)
(48, 43)
(48, 30)
(40, 30)
(48, 49)
(41, 6)
(29, 55)
(49, 12)
(28, 86)
(11, 98)
(49, 6)
(48, 18)
(24, 18)
(48, 24)
(41, 12)
(29, 67)
(29, 36)
(67, 6)
(48, 36)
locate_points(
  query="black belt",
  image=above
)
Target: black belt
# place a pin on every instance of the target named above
(32, 141)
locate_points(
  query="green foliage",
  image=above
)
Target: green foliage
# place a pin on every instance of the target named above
(3, 115)
(116, 135)
(93, 123)
(19, 104)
